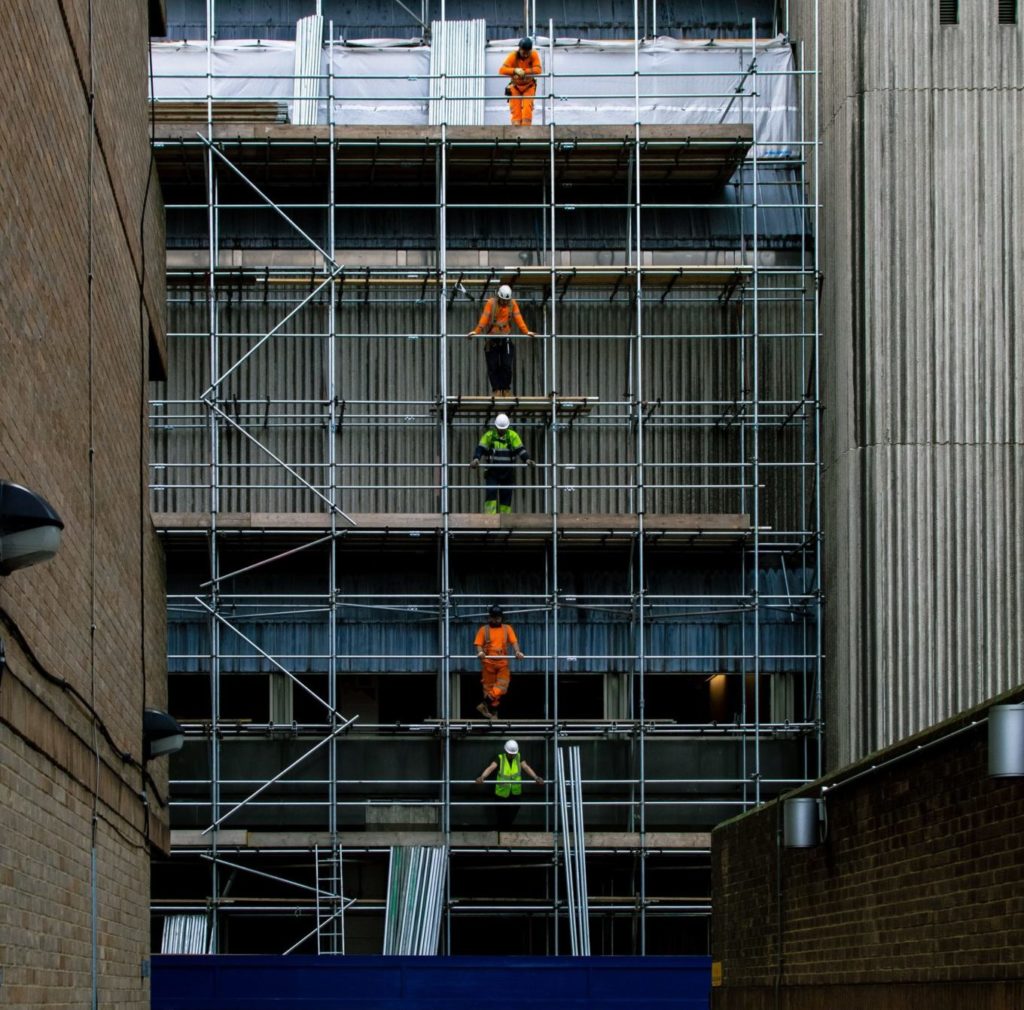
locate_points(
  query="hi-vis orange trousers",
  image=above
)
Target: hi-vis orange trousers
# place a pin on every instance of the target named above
(521, 108)
(494, 675)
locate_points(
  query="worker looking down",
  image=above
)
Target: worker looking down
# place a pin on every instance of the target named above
(523, 66)
(509, 785)
(496, 322)
(492, 642)
(498, 447)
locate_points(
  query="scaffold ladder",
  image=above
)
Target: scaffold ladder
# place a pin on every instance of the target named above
(330, 899)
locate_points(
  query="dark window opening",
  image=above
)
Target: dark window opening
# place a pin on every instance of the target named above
(524, 700)
(949, 12)
(1007, 12)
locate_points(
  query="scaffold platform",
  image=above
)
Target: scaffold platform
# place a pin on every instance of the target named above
(682, 530)
(705, 154)
(562, 405)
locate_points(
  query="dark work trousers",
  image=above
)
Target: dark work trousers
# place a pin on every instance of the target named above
(507, 810)
(498, 489)
(501, 357)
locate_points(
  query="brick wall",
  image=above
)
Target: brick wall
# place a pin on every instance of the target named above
(84, 634)
(914, 899)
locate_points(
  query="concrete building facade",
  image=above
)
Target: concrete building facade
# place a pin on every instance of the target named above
(924, 432)
(909, 892)
(83, 636)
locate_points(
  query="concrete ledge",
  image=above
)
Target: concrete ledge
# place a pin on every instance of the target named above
(194, 839)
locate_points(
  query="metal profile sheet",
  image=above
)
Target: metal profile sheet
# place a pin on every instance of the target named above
(700, 618)
(275, 19)
(307, 68)
(722, 225)
(456, 72)
(415, 899)
(387, 433)
(184, 934)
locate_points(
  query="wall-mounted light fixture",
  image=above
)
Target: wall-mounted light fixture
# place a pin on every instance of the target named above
(800, 822)
(161, 734)
(29, 528)
(1006, 740)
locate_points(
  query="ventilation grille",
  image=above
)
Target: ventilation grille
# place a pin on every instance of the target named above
(949, 12)
(1007, 12)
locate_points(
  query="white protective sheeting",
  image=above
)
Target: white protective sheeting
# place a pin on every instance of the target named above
(583, 93)
(384, 85)
(387, 81)
(242, 69)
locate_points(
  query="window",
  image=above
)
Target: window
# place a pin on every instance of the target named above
(1007, 12)
(949, 12)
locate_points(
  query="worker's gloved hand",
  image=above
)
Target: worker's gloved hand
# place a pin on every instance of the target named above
(530, 333)
(520, 655)
(531, 462)
(474, 463)
(519, 72)
(472, 333)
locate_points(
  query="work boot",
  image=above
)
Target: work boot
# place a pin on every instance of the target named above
(485, 711)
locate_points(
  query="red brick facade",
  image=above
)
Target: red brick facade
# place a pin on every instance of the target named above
(83, 634)
(914, 899)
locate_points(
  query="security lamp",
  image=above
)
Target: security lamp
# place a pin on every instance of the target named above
(161, 734)
(1006, 741)
(800, 822)
(29, 528)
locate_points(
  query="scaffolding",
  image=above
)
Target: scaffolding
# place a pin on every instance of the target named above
(328, 562)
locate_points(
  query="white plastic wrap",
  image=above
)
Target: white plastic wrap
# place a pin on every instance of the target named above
(386, 81)
(381, 86)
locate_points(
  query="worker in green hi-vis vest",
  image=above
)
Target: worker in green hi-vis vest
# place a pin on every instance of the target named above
(509, 785)
(499, 448)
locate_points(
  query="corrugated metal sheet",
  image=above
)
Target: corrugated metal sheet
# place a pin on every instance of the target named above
(457, 73)
(703, 631)
(922, 352)
(387, 384)
(723, 225)
(275, 19)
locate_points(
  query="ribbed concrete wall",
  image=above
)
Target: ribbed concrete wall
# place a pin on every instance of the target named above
(924, 437)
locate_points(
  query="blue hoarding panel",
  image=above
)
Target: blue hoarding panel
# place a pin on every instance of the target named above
(237, 982)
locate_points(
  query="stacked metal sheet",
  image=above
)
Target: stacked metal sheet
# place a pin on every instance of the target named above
(457, 72)
(309, 34)
(416, 894)
(184, 934)
(574, 849)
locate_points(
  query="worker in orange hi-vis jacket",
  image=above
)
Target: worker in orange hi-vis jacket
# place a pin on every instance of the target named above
(523, 66)
(492, 644)
(496, 322)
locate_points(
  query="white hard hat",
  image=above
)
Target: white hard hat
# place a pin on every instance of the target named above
(504, 292)
(501, 422)
(511, 747)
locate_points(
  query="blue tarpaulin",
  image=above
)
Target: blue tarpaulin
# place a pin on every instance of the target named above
(242, 982)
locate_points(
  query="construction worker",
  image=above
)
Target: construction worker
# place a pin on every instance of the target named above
(523, 66)
(509, 784)
(492, 644)
(496, 321)
(500, 445)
